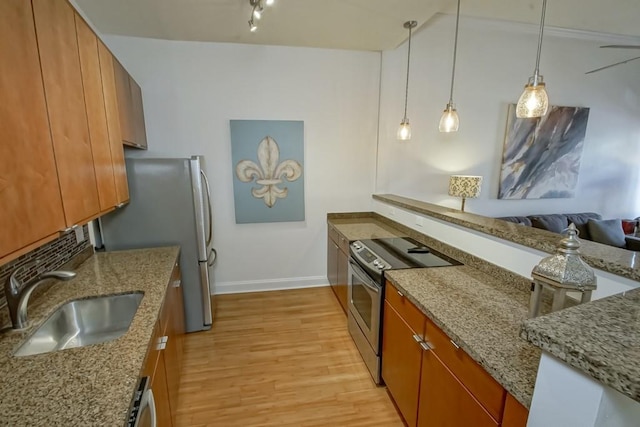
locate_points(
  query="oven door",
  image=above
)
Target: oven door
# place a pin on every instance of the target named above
(365, 304)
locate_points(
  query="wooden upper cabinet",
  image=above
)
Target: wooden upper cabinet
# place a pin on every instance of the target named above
(29, 192)
(58, 47)
(138, 114)
(131, 113)
(96, 115)
(107, 64)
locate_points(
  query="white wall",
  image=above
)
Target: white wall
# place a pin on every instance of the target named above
(191, 90)
(494, 62)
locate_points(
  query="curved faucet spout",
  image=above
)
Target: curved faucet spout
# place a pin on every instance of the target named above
(18, 298)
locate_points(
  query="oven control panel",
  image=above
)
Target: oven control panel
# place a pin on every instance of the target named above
(368, 257)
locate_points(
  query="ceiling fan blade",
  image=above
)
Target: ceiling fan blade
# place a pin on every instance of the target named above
(612, 65)
(622, 46)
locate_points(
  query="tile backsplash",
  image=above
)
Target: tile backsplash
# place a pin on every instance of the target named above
(51, 256)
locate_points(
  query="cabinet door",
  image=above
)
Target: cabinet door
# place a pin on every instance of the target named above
(161, 393)
(113, 122)
(515, 415)
(444, 401)
(29, 192)
(332, 261)
(58, 47)
(343, 279)
(125, 110)
(140, 130)
(401, 360)
(96, 115)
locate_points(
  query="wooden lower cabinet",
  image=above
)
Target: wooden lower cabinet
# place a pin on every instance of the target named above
(401, 360)
(433, 382)
(338, 265)
(164, 357)
(515, 415)
(444, 401)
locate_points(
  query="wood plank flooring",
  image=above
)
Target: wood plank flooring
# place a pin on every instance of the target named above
(281, 358)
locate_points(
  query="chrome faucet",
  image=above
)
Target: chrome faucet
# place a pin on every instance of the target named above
(18, 297)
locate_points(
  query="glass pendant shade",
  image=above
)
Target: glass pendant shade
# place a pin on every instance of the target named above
(404, 131)
(449, 122)
(534, 101)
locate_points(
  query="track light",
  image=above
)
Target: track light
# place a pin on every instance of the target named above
(256, 12)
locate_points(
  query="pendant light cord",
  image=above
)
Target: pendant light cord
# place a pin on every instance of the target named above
(455, 51)
(406, 89)
(544, 8)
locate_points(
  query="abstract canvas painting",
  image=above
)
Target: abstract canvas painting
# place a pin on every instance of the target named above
(268, 173)
(541, 157)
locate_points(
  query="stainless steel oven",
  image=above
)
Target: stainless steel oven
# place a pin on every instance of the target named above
(368, 261)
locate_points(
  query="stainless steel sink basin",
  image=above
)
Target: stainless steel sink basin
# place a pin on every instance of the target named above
(83, 322)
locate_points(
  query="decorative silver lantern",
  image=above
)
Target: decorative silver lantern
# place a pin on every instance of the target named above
(561, 273)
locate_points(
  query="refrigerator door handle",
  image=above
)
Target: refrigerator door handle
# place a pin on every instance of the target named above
(208, 192)
(213, 259)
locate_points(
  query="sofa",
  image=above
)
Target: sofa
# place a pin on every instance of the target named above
(590, 226)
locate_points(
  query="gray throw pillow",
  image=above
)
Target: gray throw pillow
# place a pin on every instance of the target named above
(607, 231)
(552, 222)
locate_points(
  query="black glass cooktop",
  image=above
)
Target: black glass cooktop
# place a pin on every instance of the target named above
(404, 252)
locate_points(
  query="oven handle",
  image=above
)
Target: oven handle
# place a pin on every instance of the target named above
(363, 276)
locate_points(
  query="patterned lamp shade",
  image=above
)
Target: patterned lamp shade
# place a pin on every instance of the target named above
(464, 186)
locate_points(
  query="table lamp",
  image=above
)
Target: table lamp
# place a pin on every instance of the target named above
(464, 186)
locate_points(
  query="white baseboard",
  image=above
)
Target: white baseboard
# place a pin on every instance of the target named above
(269, 285)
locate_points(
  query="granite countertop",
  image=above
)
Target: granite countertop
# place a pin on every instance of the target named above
(480, 313)
(614, 260)
(600, 338)
(362, 226)
(90, 385)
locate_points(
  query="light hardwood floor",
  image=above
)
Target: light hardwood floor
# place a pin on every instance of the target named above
(281, 358)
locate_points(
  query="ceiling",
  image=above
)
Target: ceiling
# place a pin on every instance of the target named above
(341, 24)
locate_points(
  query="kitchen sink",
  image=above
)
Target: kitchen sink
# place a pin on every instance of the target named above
(83, 322)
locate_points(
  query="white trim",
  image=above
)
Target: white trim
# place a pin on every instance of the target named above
(270, 285)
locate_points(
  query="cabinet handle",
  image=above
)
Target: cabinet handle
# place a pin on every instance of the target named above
(400, 293)
(177, 283)
(426, 346)
(417, 338)
(455, 344)
(119, 205)
(162, 343)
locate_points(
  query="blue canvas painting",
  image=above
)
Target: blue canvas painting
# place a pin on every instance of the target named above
(541, 158)
(268, 170)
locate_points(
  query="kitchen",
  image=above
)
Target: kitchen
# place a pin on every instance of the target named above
(191, 90)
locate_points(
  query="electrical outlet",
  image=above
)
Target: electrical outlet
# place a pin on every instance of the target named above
(79, 234)
(419, 221)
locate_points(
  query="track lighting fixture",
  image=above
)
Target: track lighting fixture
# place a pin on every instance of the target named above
(257, 9)
(404, 131)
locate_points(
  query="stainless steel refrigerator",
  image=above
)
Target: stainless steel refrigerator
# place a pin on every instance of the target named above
(170, 205)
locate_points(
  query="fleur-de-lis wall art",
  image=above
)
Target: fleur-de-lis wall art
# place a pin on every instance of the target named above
(270, 174)
(268, 170)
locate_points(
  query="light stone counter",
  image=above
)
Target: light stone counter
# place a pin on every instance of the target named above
(600, 338)
(480, 313)
(90, 385)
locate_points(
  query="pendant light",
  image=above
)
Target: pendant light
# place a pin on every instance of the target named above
(534, 101)
(449, 122)
(404, 131)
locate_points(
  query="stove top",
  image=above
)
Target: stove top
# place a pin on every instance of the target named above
(378, 255)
